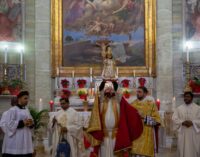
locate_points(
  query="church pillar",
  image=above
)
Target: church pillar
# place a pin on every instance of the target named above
(42, 52)
(29, 42)
(164, 81)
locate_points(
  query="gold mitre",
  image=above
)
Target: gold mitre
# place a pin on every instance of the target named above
(187, 88)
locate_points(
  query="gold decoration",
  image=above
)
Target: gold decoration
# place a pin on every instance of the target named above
(95, 121)
(57, 44)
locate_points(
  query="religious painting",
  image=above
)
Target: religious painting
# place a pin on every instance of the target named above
(11, 20)
(192, 20)
(78, 25)
(121, 22)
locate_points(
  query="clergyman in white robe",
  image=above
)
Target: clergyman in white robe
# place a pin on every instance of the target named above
(17, 139)
(110, 110)
(70, 119)
(188, 137)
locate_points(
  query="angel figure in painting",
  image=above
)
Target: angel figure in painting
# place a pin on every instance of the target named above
(109, 64)
(97, 26)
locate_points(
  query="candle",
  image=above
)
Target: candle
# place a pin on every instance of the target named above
(51, 103)
(40, 104)
(158, 103)
(6, 55)
(21, 57)
(91, 91)
(133, 73)
(117, 71)
(57, 78)
(90, 71)
(173, 103)
(149, 71)
(57, 71)
(91, 78)
(73, 74)
(188, 54)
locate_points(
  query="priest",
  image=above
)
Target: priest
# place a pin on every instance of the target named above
(66, 123)
(17, 129)
(186, 119)
(110, 132)
(145, 145)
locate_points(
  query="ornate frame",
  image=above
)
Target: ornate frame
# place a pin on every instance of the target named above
(150, 45)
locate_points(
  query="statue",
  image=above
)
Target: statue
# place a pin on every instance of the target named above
(109, 65)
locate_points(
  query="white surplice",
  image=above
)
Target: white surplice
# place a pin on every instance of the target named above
(2, 122)
(108, 144)
(16, 141)
(69, 119)
(188, 138)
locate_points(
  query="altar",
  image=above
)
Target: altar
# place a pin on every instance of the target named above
(81, 90)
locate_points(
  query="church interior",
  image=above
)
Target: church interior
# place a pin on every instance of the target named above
(98, 57)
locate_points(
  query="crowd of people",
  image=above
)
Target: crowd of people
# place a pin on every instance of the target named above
(116, 128)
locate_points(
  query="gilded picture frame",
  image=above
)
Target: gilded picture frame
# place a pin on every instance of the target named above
(149, 67)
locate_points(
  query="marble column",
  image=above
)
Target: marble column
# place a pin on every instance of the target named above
(164, 80)
(29, 41)
(42, 52)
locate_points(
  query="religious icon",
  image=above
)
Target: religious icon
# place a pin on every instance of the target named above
(80, 23)
(109, 64)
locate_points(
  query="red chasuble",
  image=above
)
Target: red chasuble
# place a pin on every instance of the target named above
(130, 126)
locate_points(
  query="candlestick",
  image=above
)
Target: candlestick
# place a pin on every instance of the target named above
(6, 55)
